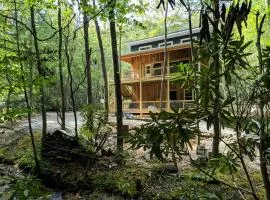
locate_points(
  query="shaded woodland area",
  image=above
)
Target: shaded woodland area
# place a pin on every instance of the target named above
(59, 138)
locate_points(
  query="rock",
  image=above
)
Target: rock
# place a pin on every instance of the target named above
(170, 168)
(56, 196)
(107, 162)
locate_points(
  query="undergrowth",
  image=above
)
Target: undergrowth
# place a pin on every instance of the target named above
(20, 152)
(127, 182)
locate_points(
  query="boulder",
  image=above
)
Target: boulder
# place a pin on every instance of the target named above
(170, 168)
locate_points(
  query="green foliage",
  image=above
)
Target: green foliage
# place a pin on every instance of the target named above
(95, 129)
(20, 152)
(184, 76)
(23, 188)
(168, 135)
(225, 163)
(121, 181)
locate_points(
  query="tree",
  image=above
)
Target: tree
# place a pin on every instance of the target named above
(103, 66)
(87, 51)
(262, 102)
(40, 69)
(28, 106)
(118, 96)
(63, 98)
(216, 67)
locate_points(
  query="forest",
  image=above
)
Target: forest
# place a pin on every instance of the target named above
(146, 99)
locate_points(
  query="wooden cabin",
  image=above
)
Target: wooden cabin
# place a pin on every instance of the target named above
(141, 85)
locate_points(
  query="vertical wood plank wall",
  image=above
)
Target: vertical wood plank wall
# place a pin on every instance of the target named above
(148, 90)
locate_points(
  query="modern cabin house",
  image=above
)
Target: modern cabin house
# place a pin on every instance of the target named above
(141, 85)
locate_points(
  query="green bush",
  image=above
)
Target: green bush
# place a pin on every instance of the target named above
(94, 129)
(21, 152)
(24, 188)
(168, 135)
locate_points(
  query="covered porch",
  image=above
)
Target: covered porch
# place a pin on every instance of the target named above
(144, 96)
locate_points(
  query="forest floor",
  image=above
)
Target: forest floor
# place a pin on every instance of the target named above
(121, 181)
(20, 128)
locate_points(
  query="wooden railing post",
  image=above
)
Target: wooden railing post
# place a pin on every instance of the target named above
(140, 98)
(184, 104)
(168, 95)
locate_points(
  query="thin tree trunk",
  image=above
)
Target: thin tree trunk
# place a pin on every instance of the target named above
(28, 106)
(216, 110)
(120, 49)
(119, 112)
(8, 98)
(262, 147)
(71, 88)
(63, 98)
(243, 162)
(194, 67)
(9, 82)
(31, 72)
(165, 61)
(87, 56)
(237, 113)
(41, 71)
(104, 70)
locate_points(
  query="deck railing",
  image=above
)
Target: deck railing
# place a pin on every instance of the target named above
(134, 75)
(154, 106)
(131, 105)
(130, 75)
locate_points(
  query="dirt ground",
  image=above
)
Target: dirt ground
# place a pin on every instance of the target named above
(21, 128)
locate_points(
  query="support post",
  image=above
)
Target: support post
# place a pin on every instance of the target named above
(140, 98)
(141, 73)
(168, 81)
(168, 95)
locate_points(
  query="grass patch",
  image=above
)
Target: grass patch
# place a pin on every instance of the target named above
(20, 152)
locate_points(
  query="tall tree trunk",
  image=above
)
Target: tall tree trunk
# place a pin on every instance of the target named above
(264, 173)
(71, 87)
(216, 63)
(103, 66)
(117, 82)
(63, 98)
(195, 67)
(120, 49)
(28, 106)
(165, 61)
(8, 80)
(41, 71)
(87, 55)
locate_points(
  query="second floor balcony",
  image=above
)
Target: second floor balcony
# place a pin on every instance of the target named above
(148, 73)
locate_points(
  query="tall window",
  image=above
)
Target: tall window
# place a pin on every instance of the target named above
(157, 68)
(148, 70)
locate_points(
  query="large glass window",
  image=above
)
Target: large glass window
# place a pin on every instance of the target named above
(157, 69)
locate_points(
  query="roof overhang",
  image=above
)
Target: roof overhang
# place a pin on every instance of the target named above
(128, 57)
(162, 37)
